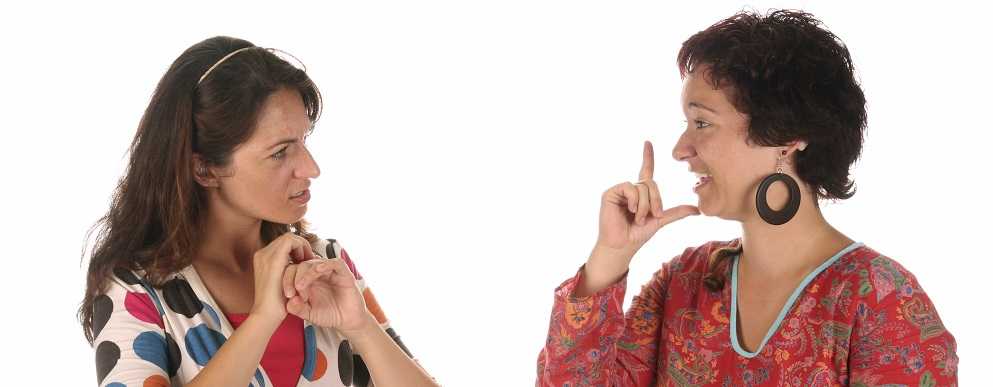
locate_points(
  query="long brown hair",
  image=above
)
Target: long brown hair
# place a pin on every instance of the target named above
(155, 213)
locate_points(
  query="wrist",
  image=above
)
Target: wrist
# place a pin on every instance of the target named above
(367, 328)
(266, 319)
(604, 267)
(609, 260)
(265, 324)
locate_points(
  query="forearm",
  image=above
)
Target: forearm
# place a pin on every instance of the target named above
(604, 267)
(238, 359)
(388, 364)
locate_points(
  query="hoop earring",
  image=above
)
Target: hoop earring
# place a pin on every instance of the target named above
(761, 197)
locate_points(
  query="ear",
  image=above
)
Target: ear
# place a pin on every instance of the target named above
(203, 174)
(799, 145)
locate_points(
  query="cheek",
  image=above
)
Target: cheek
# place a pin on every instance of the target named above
(732, 161)
(276, 178)
(718, 155)
(263, 180)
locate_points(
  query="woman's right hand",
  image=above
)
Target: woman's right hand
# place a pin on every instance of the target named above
(269, 264)
(630, 214)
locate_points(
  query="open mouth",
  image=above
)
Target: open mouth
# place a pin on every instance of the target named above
(702, 179)
(301, 197)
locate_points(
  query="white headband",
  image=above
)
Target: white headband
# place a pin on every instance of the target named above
(271, 50)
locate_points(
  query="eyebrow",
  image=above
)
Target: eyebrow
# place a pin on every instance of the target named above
(701, 106)
(281, 142)
(292, 140)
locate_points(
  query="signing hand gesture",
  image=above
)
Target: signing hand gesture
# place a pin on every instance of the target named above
(270, 265)
(630, 214)
(324, 292)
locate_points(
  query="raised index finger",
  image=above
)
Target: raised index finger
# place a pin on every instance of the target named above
(647, 163)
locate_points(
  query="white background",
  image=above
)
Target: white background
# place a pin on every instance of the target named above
(464, 147)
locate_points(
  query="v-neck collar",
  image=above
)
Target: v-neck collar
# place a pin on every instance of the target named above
(786, 307)
(193, 277)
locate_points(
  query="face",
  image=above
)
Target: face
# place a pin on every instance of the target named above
(269, 175)
(714, 144)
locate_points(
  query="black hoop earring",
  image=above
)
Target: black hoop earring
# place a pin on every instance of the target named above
(784, 215)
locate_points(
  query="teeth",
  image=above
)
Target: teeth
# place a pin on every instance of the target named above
(700, 175)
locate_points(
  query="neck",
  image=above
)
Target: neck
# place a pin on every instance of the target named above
(792, 249)
(227, 239)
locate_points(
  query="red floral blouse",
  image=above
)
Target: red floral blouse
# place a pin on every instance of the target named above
(859, 319)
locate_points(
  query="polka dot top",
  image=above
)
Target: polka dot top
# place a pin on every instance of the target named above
(146, 336)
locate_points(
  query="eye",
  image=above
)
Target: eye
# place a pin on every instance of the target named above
(279, 155)
(700, 124)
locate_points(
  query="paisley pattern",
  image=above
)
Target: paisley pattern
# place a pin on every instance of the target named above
(862, 321)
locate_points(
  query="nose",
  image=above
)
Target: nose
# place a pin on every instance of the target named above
(683, 150)
(308, 167)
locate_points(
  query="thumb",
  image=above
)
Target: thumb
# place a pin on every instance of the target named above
(676, 213)
(297, 307)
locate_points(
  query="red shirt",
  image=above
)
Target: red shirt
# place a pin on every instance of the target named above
(283, 357)
(860, 319)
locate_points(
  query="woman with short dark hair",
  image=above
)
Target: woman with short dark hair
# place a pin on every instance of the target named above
(775, 119)
(204, 273)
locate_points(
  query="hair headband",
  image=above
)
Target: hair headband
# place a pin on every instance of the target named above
(274, 51)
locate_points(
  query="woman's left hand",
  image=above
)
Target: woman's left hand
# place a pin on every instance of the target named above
(324, 292)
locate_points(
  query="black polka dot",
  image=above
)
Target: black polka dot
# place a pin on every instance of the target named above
(175, 358)
(107, 355)
(361, 378)
(102, 308)
(345, 365)
(180, 297)
(396, 339)
(126, 275)
(329, 250)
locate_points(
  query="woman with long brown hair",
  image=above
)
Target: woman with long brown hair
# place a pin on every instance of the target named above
(203, 272)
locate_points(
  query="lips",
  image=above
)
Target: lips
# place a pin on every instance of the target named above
(301, 197)
(702, 179)
(296, 194)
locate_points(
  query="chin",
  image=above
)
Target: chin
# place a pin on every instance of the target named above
(710, 209)
(705, 208)
(709, 212)
(289, 217)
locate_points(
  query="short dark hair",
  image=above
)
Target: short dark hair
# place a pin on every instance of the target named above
(795, 80)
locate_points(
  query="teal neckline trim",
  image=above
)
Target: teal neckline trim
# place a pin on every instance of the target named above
(786, 307)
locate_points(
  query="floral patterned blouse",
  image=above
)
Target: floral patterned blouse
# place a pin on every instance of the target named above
(147, 337)
(859, 319)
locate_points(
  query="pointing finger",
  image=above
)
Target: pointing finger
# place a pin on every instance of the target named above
(644, 203)
(656, 197)
(647, 163)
